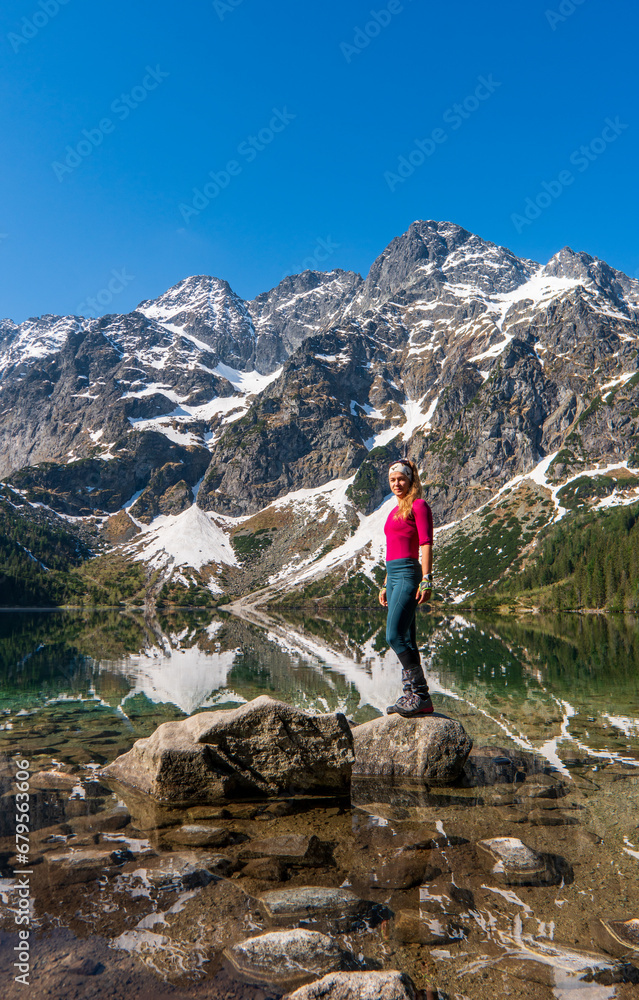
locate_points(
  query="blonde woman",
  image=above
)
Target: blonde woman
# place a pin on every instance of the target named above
(408, 583)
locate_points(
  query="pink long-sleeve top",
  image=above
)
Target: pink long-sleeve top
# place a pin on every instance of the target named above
(403, 537)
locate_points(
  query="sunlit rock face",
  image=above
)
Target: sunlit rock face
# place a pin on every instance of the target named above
(300, 382)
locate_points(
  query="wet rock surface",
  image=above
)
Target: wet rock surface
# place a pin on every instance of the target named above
(285, 958)
(333, 908)
(358, 986)
(517, 864)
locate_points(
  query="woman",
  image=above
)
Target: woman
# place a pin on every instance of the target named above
(409, 526)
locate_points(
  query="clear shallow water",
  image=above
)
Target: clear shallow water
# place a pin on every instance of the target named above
(79, 689)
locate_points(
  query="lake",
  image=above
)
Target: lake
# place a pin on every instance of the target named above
(551, 703)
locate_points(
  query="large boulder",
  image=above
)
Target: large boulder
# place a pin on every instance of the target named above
(264, 747)
(431, 750)
(358, 986)
(287, 958)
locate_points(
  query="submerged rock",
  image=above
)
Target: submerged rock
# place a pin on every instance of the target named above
(287, 958)
(265, 870)
(618, 937)
(186, 870)
(81, 865)
(264, 747)
(112, 819)
(411, 927)
(431, 750)
(311, 904)
(403, 871)
(358, 986)
(291, 849)
(517, 864)
(199, 835)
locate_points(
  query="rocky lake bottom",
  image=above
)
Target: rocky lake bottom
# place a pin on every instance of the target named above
(520, 879)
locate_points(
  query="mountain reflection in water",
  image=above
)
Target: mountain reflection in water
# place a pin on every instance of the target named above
(557, 697)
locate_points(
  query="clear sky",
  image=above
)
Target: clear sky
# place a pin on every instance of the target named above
(322, 128)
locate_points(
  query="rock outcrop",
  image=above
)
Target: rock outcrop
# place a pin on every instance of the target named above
(263, 748)
(431, 750)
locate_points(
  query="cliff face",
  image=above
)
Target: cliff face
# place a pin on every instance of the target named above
(478, 363)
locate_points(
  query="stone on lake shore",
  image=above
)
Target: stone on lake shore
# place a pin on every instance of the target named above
(311, 903)
(430, 750)
(262, 748)
(287, 958)
(185, 870)
(198, 835)
(291, 849)
(358, 986)
(517, 864)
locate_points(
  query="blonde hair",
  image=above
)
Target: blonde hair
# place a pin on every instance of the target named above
(406, 503)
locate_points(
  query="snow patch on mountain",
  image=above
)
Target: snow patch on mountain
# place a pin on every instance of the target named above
(414, 419)
(247, 383)
(36, 339)
(368, 542)
(175, 425)
(194, 538)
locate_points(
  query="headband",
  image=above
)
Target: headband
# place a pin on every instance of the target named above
(403, 468)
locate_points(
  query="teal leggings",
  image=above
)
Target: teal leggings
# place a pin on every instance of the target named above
(403, 577)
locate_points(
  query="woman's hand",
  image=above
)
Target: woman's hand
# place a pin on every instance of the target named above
(423, 596)
(382, 598)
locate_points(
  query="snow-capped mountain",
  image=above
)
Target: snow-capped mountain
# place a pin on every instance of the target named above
(483, 365)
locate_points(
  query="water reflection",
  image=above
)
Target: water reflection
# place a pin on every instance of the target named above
(551, 703)
(565, 685)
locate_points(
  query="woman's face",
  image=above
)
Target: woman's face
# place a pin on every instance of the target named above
(399, 484)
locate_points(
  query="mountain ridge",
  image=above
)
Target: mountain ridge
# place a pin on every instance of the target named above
(482, 364)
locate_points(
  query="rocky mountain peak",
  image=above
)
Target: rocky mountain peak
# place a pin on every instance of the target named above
(567, 263)
(200, 295)
(209, 311)
(297, 308)
(431, 254)
(595, 275)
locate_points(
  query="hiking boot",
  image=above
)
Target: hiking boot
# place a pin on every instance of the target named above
(415, 700)
(410, 705)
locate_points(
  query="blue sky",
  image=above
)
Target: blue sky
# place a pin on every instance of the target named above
(302, 118)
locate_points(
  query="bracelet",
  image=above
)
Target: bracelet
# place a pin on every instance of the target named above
(425, 585)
